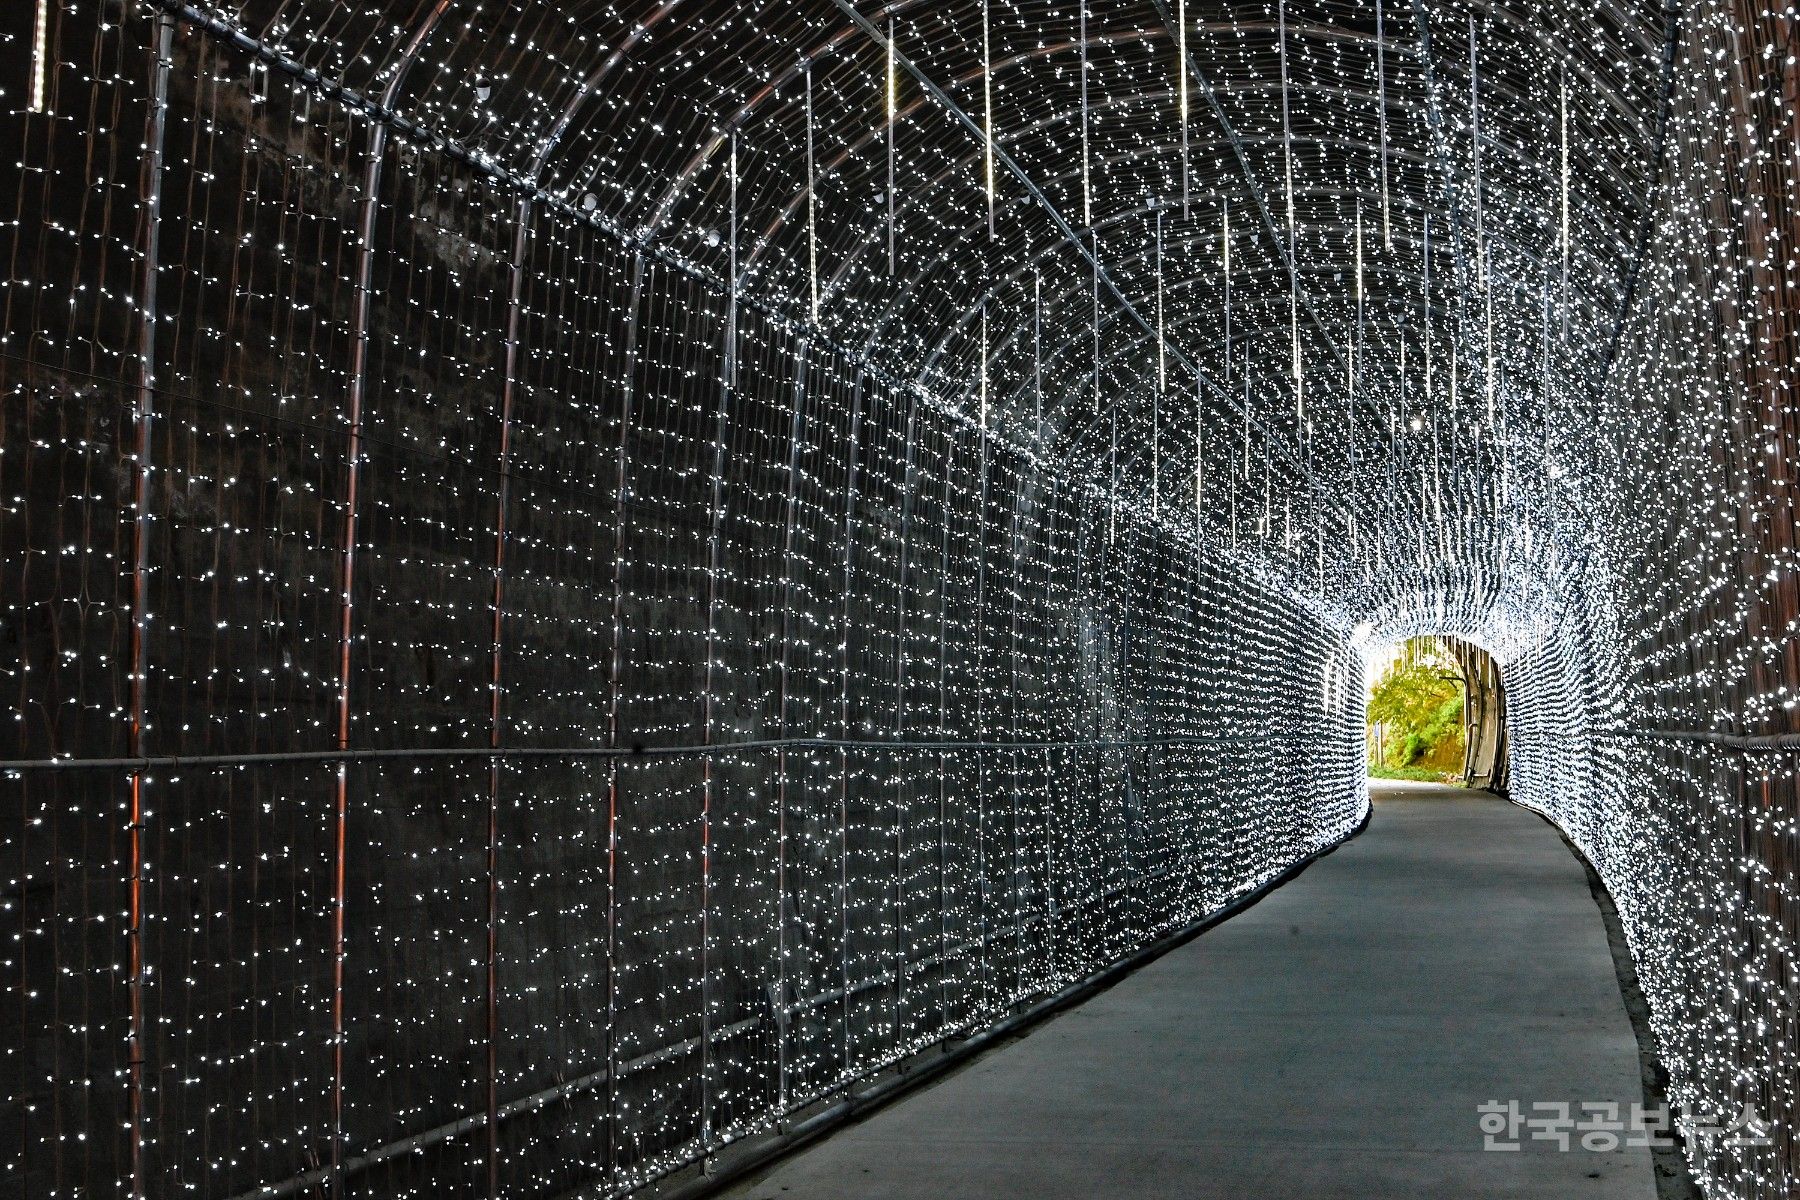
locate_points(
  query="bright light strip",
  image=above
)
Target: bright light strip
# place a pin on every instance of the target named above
(38, 99)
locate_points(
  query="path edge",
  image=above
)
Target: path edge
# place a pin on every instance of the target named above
(733, 1164)
(1668, 1156)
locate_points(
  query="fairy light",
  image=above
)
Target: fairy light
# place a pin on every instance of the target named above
(1162, 382)
(1489, 374)
(1181, 102)
(812, 206)
(1199, 529)
(1298, 369)
(1037, 351)
(1162, 349)
(1356, 352)
(1563, 245)
(1225, 292)
(38, 99)
(1287, 131)
(1475, 143)
(892, 94)
(1087, 184)
(1381, 117)
(714, 713)
(1293, 249)
(982, 418)
(1425, 305)
(987, 114)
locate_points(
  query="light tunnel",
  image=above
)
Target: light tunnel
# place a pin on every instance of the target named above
(582, 580)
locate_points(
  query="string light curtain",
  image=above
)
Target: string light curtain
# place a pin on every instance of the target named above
(579, 578)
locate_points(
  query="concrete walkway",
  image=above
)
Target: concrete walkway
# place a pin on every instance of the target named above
(1333, 1041)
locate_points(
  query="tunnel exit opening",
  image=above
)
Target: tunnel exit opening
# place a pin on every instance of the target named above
(1436, 712)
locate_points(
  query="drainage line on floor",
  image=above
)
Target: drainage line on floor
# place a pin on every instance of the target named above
(723, 1169)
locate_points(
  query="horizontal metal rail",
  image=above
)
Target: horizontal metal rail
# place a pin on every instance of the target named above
(1768, 743)
(487, 753)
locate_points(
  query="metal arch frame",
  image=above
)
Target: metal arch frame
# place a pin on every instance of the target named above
(1623, 23)
(1309, 139)
(961, 238)
(772, 309)
(1073, 434)
(502, 504)
(955, 163)
(1258, 200)
(1071, 387)
(1475, 446)
(354, 402)
(722, 133)
(1122, 215)
(1523, 252)
(1048, 51)
(1287, 259)
(1519, 249)
(1247, 334)
(1502, 17)
(837, 40)
(1061, 223)
(1098, 270)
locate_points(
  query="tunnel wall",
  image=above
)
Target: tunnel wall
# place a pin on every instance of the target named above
(638, 721)
(1655, 720)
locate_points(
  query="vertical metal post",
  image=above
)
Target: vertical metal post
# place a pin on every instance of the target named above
(1051, 566)
(944, 733)
(714, 558)
(796, 424)
(150, 185)
(623, 459)
(496, 712)
(979, 677)
(353, 451)
(1013, 733)
(1162, 381)
(855, 452)
(902, 590)
(893, 100)
(1199, 469)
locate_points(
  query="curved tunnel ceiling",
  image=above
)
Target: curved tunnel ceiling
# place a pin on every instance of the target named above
(1434, 214)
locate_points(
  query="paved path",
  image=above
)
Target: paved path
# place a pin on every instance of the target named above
(1333, 1041)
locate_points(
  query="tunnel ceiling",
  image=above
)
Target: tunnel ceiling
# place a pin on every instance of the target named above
(1295, 242)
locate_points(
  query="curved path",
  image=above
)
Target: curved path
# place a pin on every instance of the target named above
(1332, 1041)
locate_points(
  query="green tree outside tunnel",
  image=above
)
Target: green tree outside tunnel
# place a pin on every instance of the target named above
(1418, 705)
